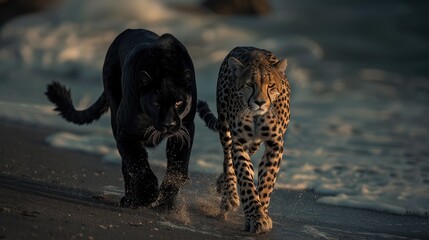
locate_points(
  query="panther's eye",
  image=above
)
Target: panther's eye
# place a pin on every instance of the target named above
(179, 103)
(155, 103)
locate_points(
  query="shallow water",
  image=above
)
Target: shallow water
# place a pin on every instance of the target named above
(358, 70)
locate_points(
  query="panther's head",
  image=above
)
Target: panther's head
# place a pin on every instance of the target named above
(259, 82)
(163, 82)
(166, 101)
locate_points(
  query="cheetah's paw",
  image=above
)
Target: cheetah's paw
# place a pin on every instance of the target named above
(259, 225)
(230, 202)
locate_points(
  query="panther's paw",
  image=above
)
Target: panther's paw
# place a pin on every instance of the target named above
(142, 200)
(164, 203)
(127, 202)
(146, 188)
(259, 225)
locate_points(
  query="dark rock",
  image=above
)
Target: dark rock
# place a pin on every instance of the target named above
(10, 9)
(238, 7)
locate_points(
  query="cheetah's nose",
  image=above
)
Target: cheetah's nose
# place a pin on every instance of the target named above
(260, 103)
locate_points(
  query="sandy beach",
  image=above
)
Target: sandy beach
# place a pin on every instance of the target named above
(48, 193)
(55, 194)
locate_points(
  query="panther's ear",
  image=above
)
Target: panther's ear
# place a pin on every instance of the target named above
(188, 77)
(236, 66)
(281, 66)
(144, 78)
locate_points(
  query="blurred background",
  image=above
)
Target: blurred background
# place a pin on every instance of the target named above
(358, 70)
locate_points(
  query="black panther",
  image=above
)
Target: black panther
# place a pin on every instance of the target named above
(149, 86)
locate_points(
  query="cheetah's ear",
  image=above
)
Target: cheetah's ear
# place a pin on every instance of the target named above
(281, 66)
(236, 66)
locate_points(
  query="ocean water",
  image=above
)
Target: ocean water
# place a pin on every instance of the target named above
(359, 130)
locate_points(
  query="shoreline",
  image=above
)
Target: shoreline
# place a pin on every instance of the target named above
(56, 193)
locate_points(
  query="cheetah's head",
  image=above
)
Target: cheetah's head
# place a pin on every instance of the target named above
(259, 82)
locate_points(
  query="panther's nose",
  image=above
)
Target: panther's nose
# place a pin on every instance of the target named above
(168, 126)
(260, 103)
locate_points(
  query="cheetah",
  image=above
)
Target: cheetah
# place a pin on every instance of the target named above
(253, 100)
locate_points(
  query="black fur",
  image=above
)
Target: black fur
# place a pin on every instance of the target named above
(149, 86)
(60, 96)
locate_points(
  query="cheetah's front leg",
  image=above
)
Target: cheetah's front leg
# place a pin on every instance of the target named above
(257, 221)
(267, 174)
(268, 169)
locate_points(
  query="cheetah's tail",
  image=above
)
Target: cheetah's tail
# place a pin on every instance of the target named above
(207, 116)
(61, 97)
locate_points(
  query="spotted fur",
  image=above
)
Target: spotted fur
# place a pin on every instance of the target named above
(253, 99)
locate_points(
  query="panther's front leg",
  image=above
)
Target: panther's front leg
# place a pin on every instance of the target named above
(178, 154)
(141, 184)
(257, 221)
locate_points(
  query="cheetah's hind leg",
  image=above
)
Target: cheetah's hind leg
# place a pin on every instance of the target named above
(219, 182)
(227, 185)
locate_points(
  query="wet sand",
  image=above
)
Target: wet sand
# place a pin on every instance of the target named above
(49, 193)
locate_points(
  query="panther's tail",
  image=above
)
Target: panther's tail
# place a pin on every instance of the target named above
(207, 116)
(61, 97)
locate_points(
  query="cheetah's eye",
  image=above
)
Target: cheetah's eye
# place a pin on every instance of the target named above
(155, 103)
